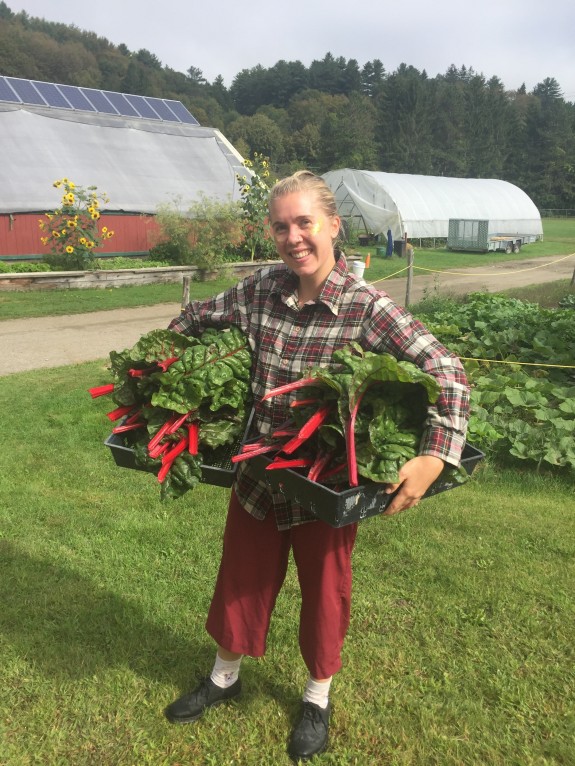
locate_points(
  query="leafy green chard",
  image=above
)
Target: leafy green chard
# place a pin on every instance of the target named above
(366, 414)
(185, 399)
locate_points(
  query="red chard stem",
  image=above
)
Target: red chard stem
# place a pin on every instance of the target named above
(101, 390)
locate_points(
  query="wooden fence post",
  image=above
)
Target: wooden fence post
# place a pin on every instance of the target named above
(409, 254)
(185, 291)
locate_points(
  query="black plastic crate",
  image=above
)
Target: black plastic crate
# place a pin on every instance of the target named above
(220, 471)
(350, 505)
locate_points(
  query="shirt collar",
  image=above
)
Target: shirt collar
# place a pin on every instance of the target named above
(286, 284)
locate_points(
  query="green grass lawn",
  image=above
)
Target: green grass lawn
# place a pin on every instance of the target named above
(460, 649)
(559, 240)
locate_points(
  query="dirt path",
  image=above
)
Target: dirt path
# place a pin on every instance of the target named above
(29, 344)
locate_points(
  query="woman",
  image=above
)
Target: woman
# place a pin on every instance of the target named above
(295, 315)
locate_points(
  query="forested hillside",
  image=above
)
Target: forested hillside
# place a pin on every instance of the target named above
(334, 113)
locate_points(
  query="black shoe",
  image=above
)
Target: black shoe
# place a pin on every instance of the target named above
(191, 706)
(310, 735)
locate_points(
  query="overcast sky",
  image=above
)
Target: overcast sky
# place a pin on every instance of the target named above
(519, 41)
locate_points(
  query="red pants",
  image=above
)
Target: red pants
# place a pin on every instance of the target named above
(252, 571)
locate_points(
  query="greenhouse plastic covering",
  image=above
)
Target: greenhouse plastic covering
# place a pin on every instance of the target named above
(420, 206)
(139, 164)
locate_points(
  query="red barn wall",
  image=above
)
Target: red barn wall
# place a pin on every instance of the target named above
(20, 235)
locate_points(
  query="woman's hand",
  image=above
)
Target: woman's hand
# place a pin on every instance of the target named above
(415, 478)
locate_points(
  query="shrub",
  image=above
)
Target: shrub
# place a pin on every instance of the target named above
(200, 236)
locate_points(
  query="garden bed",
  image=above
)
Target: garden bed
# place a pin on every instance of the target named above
(62, 280)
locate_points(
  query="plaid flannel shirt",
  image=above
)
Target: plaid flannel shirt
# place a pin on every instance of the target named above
(285, 339)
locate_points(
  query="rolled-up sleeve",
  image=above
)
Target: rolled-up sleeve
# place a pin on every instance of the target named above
(223, 310)
(393, 329)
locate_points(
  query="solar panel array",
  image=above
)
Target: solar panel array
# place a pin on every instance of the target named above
(16, 90)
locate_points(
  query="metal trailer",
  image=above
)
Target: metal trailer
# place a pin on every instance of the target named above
(471, 234)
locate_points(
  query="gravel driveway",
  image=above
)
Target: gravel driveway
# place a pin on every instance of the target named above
(29, 344)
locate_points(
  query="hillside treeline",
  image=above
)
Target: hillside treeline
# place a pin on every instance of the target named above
(334, 113)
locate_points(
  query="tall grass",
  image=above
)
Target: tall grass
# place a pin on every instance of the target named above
(460, 649)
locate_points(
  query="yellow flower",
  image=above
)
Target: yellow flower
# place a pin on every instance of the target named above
(91, 210)
(57, 184)
(82, 240)
(90, 244)
(49, 216)
(104, 229)
(55, 234)
(71, 185)
(110, 234)
(64, 232)
(69, 249)
(72, 224)
(44, 240)
(95, 216)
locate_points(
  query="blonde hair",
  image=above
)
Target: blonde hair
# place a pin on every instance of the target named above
(305, 181)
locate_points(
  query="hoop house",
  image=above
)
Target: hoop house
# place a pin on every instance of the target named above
(421, 206)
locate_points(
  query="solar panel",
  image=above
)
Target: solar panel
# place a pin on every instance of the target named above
(6, 92)
(181, 112)
(51, 94)
(160, 106)
(121, 103)
(16, 90)
(99, 100)
(26, 91)
(141, 105)
(77, 98)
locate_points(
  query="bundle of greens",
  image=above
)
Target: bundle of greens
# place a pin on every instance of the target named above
(182, 399)
(363, 416)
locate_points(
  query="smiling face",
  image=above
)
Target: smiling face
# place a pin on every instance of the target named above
(303, 234)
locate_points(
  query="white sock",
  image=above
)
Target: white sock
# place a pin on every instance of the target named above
(225, 672)
(317, 692)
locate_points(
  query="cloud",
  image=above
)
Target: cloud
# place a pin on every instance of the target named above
(519, 41)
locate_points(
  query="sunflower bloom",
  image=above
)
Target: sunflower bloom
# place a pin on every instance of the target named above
(69, 249)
